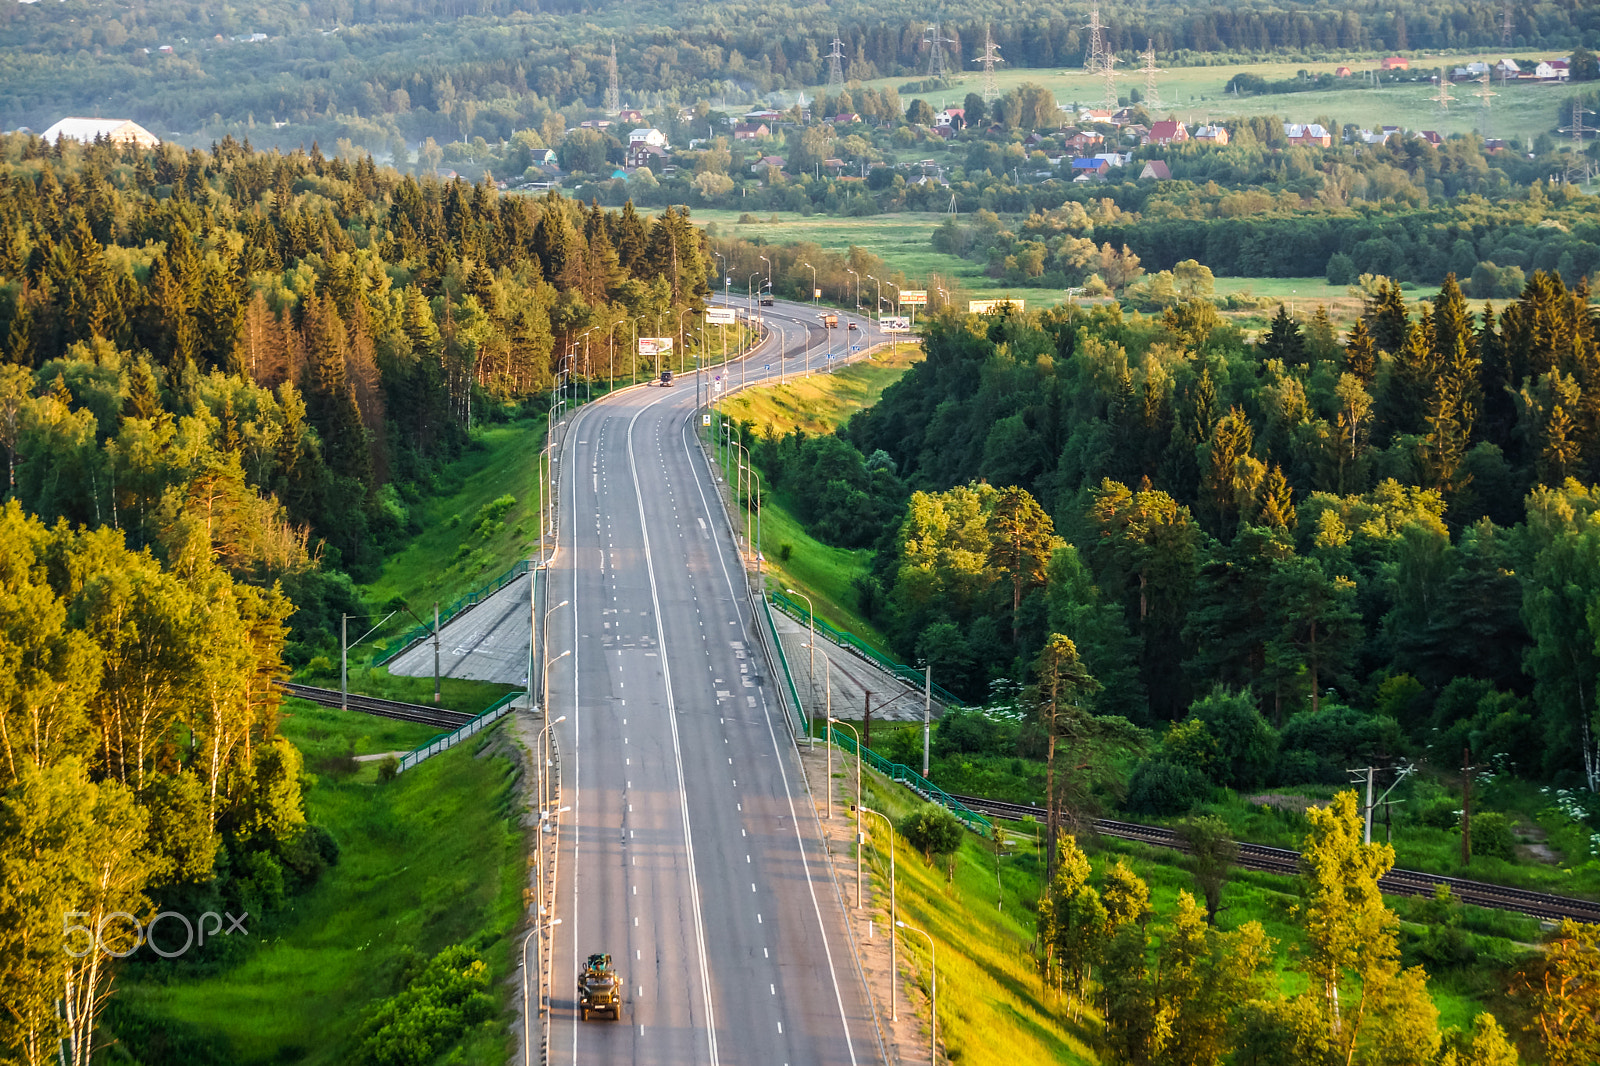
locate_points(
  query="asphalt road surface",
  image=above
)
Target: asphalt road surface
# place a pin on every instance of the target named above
(690, 853)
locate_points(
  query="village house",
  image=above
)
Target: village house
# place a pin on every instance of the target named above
(1156, 169)
(1396, 63)
(1307, 135)
(1214, 135)
(1507, 68)
(1342, 72)
(761, 165)
(1432, 137)
(1167, 131)
(1090, 168)
(1548, 72)
(649, 135)
(953, 117)
(749, 131)
(1083, 139)
(643, 154)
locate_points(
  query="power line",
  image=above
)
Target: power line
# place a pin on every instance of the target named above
(1443, 97)
(1110, 75)
(1483, 94)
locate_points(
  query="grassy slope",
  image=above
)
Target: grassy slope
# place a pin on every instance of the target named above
(819, 404)
(991, 1005)
(433, 858)
(446, 560)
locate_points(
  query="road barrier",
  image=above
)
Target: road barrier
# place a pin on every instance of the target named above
(858, 647)
(444, 742)
(772, 641)
(419, 633)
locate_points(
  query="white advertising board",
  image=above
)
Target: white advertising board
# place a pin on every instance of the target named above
(719, 316)
(654, 345)
(983, 307)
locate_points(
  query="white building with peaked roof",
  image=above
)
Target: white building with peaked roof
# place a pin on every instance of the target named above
(117, 130)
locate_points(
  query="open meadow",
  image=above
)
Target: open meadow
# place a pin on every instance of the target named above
(1522, 110)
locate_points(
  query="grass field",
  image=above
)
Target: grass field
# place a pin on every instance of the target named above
(1195, 94)
(903, 240)
(300, 993)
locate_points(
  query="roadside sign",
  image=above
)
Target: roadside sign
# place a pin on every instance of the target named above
(913, 297)
(766, 366)
(719, 316)
(816, 294)
(705, 420)
(654, 345)
(894, 324)
(983, 307)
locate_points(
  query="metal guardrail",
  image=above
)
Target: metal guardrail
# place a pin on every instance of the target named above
(854, 644)
(902, 774)
(492, 714)
(417, 633)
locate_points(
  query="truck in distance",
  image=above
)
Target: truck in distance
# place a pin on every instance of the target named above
(599, 987)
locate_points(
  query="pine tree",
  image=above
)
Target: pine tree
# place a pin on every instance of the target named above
(330, 398)
(1283, 341)
(630, 238)
(1386, 317)
(1277, 501)
(1360, 353)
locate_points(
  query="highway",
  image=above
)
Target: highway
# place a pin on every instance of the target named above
(690, 852)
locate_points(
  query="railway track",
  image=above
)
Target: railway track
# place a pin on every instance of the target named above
(1286, 861)
(438, 717)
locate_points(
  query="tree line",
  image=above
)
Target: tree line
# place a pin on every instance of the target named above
(390, 75)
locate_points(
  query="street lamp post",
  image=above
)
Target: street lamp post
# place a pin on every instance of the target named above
(767, 261)
(813, 282)
(544, 697)
(878, 306)
(811, 663)
(847, 270)
(894, 970)
(827, 735)
(933, 1013)
(544, 740)
(527, 1021)
(857, 735)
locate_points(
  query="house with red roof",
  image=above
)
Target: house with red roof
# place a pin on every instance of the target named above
(1168, 131)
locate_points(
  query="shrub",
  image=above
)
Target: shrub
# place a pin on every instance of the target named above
(389, 769)
(932, 830)
(414, 1025)
(1163, 787)
(1341, 269)
(1492, 837)
(1335, 737)
(1245, 744)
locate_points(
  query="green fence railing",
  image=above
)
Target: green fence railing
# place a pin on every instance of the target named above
(850, 642)
(902, 774)
(394, 647)
(801, 723)
(445, 741)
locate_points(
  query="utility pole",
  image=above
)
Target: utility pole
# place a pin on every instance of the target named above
(927, 712)
(1368, 773)
(866, 723)
(344, 662)
(835, 70)
(1466, 806)
(613, 95)
(436, 649)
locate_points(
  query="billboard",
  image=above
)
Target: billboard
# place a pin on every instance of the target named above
(895, 324)
(816, 294)
(654, 345)
(913, 297)
(719, 316)
(984, 307)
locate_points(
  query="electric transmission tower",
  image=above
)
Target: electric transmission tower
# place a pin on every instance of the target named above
(613, 94)
(1484, 93)
(991, 56)
(936, 40)
(1095, 59)
(835, 67)
(1152, 98)
(1110, 75)
(1578, 129)
(1505, 25)
(1443, 97)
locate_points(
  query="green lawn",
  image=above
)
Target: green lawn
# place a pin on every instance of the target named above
(823, 402)
(433, 858)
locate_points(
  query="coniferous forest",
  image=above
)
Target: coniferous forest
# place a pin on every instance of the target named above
(228, 378)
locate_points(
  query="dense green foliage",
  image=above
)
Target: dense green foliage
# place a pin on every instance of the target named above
(386, 74)
(294, 343)
(1392, 533)
(140, 761)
